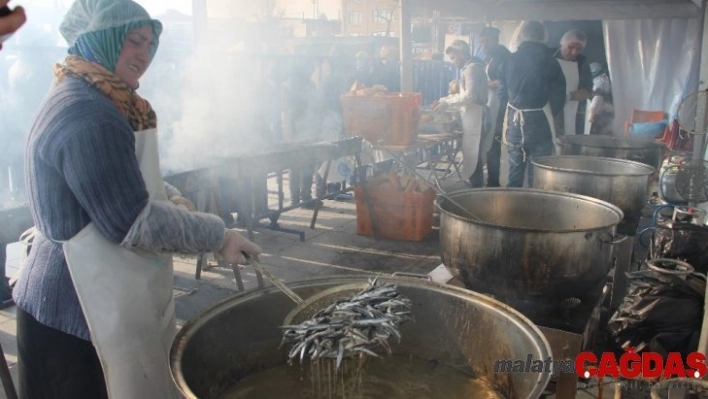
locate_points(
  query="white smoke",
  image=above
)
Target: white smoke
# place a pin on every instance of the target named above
(215, 110)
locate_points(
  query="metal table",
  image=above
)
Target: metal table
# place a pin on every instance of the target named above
(428, 153)
(244, 179)
(255, 168)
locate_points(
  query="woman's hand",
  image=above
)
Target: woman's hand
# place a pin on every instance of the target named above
(181, 201)
(236, 247)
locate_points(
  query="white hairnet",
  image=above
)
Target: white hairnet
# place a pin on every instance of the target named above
(459, 45)
(94, 15)
(528, 31)
(574, 36)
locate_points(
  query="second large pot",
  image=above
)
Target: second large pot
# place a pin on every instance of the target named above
(528, 244)
(630, 148)
(620, 182)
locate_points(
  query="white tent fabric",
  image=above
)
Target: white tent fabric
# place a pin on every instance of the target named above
(653, 64)
(559, 10)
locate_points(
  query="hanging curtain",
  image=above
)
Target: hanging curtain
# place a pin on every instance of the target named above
(653, 64)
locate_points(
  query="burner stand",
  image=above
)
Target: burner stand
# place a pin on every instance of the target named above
(570, 326)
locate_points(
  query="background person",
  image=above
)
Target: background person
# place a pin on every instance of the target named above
(578, 82)
(602, 110)
(535, 85)
(494, 55)
(472, 101)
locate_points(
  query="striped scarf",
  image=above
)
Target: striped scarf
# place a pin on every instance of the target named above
(136, 110)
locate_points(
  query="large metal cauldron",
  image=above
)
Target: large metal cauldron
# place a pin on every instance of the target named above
(630, 148)
(528, 244)
(620, 182)
(240, 336)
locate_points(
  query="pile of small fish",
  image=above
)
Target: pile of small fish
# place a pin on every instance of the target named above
(356, 325)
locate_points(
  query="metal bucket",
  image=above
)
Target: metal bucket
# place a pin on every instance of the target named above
(620, 182)
(239, 336)
(529, 244)
(646, 151)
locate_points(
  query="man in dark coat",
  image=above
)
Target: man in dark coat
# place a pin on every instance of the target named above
(493, 54)
(534, 83)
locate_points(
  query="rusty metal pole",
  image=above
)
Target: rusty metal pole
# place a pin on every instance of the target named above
(406, 45)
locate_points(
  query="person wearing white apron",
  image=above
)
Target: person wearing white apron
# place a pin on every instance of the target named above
(578, 83)
(95, 315)
(472, 102)
(494, 56)
(535, 86)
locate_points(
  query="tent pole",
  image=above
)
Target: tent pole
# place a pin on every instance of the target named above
(406, 46)
(697, 146)
(699, 141)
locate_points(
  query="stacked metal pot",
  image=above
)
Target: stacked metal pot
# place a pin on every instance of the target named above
(555, 241)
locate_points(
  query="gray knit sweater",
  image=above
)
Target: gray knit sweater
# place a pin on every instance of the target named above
(81, 168)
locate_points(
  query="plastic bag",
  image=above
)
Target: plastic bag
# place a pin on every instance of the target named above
(686, 242)
(661, 313)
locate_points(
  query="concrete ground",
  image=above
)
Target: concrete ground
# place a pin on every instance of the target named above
(332, 248)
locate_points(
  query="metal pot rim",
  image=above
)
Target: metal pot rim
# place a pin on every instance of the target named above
(648, 170)
(618, 212)
(634, 143)
(192, 326)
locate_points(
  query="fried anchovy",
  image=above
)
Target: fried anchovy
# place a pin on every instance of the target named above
(355, 326)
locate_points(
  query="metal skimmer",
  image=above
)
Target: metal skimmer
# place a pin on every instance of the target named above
(351, 325)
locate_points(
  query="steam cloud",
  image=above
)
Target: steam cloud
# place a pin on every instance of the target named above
(211, 112)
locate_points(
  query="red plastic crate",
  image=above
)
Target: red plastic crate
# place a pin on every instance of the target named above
(397, 215)
(388, 118)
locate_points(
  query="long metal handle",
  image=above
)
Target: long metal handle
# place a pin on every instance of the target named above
(287, 291)
(431, 185)
(413, 275)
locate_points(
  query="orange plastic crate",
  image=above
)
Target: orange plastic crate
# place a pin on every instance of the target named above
(397, 215)
(389, 118)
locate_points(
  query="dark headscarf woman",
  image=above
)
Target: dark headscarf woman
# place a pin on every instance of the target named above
(95, 314)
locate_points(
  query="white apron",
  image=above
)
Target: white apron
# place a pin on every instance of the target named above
(572, 82)
(472, 117)
(126, 297)
(549, 117)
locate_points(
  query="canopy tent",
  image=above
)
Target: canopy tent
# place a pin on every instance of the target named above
(558, 10)
(653, 46)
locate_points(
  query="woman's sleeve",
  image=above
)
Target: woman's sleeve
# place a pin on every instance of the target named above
(99, 164)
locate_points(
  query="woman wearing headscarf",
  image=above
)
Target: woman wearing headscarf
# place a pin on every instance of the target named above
(95, 311)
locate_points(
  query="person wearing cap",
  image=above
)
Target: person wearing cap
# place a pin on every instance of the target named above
(472, 102)
(578, 81)
(386, 72)
(602, 110)
(534, 83)
(10, 23)
(95, 309)
(493, 54)
(364, 73)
